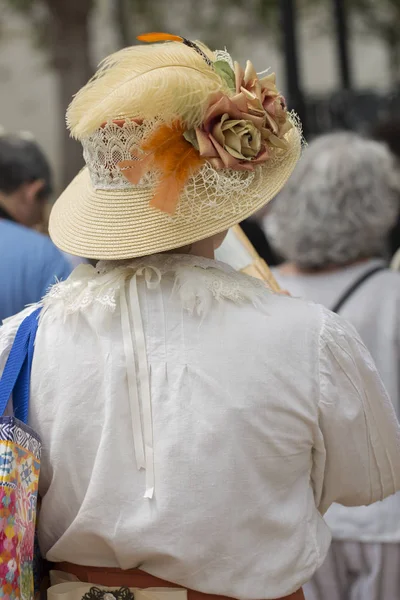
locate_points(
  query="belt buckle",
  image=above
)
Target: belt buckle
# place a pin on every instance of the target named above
(96, 593)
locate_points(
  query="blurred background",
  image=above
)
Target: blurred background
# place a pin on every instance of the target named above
(337, 61)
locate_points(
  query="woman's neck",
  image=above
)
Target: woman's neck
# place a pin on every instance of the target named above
(204, 248)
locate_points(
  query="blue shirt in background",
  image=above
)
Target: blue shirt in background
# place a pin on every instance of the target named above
(29, 265)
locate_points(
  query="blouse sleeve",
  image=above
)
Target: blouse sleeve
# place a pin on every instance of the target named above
(357, 449)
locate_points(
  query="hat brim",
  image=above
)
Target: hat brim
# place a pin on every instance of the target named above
(121, 224)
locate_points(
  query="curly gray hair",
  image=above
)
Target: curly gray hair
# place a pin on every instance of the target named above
(339, 204)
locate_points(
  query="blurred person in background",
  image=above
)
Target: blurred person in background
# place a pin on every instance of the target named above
(30, 263)
(331, 223)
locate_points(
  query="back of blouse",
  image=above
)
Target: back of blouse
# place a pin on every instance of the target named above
(262, 411)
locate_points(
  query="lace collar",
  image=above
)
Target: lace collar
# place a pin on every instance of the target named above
(198, 282)
(165, 263)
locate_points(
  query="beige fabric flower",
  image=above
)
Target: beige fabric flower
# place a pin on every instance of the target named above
(237, 130)
(263, 98)
(230, 137)
(239, 137)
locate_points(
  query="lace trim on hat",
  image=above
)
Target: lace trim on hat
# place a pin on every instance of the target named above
(197, 281)
(208, 193)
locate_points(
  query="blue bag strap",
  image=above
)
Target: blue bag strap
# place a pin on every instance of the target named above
(22, 385)
(16, 375)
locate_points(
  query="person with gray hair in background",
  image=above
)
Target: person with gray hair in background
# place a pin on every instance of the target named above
(330, 224)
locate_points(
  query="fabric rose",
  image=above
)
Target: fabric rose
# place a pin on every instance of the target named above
(231, 137)
(263, 98)
(241, 138)
(237, 131)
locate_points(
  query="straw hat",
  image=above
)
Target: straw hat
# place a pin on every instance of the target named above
(180, 144)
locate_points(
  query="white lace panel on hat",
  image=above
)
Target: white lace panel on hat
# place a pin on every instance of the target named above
(209, 193)
(107, 147)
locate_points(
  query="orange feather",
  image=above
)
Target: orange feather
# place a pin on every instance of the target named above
(159, 37)
(167, 151)
(180, 162)
(158, 141)
(169, 37)
(134, 170)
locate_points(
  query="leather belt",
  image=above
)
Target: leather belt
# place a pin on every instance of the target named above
(136, 578)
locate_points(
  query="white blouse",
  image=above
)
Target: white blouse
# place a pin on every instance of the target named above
(247, 413)
(374, 310)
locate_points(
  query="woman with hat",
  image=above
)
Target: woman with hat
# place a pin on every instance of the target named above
(195, 426)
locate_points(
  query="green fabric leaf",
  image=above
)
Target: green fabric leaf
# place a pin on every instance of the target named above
(190, 136)
(225, 71)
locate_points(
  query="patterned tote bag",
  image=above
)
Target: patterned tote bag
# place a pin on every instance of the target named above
(19, 470)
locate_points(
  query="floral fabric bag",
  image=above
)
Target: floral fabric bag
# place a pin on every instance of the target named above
(19, 469)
